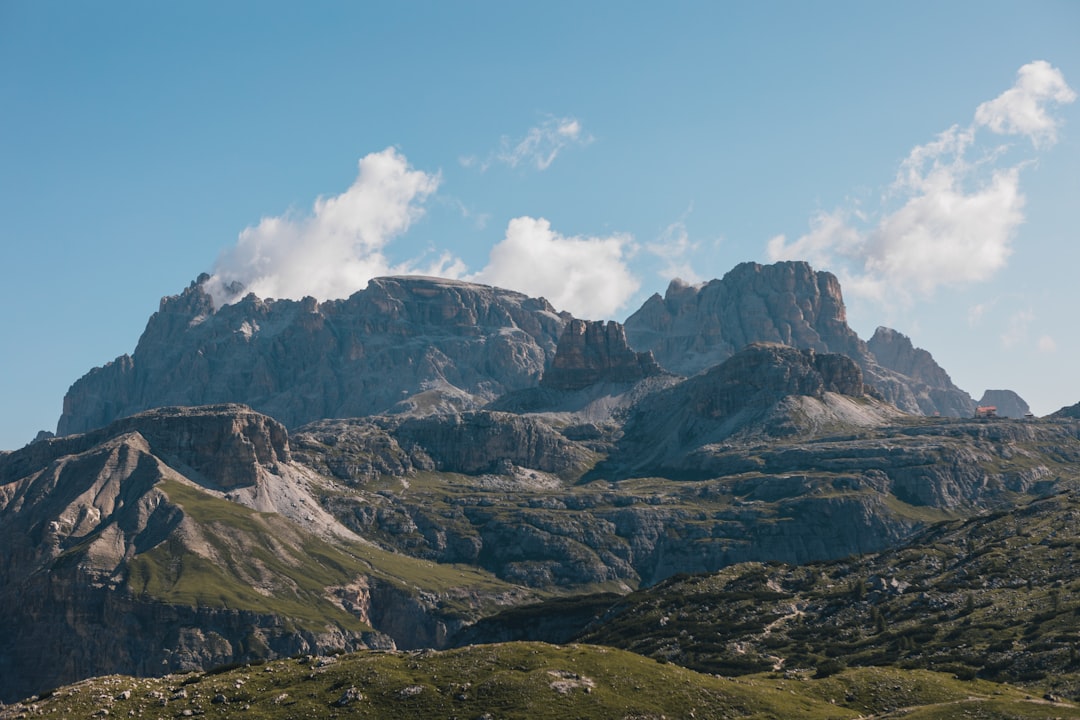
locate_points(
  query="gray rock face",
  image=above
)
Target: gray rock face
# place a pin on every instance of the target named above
(591, 352)
(1008, 403)
(696, 327)
(223, 446)
(424, 345)
(403, 344)
(777, 453)
(141, 543)
(764, 392)
(470, 443)
(931, 386)
(693, 328)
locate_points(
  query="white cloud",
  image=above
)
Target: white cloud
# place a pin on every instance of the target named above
(946, 235)
(675, 249)
(586, 276)
(1047, 344)
(829, 235)
(335, 249)
(946, 220)
(1022, 109)
(538, 148)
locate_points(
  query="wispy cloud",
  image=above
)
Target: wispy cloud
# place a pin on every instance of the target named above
(344, 241)
(675, 251)
(951, 214)
(1022, 109)
(538, 148)
(587, 276)
(333, 250)
(1016, 329)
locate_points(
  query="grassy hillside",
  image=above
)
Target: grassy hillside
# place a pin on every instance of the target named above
(994, 597)
(529, 680)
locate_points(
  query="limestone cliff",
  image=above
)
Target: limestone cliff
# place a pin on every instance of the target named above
(929, 384)
(1007, 402)
(471, 443)
(593, 377)
(764, 392)
(693, 328)
(183, 538)
(590, 352)
(403, 344)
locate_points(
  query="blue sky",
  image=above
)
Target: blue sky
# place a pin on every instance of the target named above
(927, 153)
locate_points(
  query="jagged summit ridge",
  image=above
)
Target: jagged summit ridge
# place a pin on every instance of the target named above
(590, 352)
(403, 343)
(420, 345)
(694, 327)
(766, 391)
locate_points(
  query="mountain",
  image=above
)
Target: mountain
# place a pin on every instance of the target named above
(405, 344)
(932, 388)
(419, 345)
(1008, 403)
(594, 376)
(428, 452)
(988, 597)
(692, 328)
(187, 537)
(777, 454)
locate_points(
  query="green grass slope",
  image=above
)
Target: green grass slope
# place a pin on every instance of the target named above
(526, 680)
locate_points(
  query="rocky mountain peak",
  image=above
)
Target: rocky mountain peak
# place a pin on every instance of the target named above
(895, 351)
(694, 327)
(764, 392)
(593, 351)
(764, 373)
(426, 343)
(1007, 402)
(225, 446)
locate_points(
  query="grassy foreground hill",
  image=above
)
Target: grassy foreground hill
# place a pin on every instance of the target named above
(529, 680)
(993, 597)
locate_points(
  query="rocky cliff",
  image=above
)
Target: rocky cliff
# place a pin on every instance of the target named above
(777, 453)
(929, 384)
(402, 344)
(594, 376)
(764, 392)
(1007, 402)
(183, 538)
(692, 328)
(590, 352)
(419, 346)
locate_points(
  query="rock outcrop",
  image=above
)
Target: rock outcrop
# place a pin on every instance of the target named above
(1007, 402)
(420, 346)
(929, 384)
(593, 377)
(404, 344)
(590, 352)
(471, 443)
(764, 392)
(183, 538)
(693, 328)
(1069, 412)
